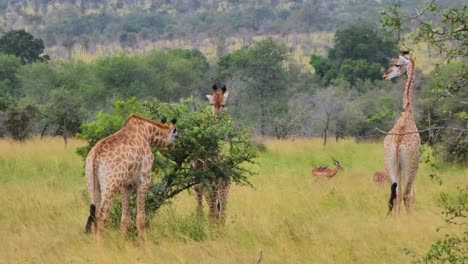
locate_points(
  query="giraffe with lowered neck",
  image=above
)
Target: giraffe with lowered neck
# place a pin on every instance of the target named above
(401, 145)
(218, 193)
(122, 163)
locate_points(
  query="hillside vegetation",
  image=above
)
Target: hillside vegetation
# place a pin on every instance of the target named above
(86, 28)
(287, 215)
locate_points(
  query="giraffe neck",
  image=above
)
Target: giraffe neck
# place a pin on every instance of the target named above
(155, 134)
(408, 95)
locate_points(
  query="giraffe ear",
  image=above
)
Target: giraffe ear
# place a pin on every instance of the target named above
(214, 87)
(163, 120)
(209, 97)
(403, 60)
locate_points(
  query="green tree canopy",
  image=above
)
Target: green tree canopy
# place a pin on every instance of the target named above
(65, 112)
(361, 41)
(359, 53)
(263, 76)
(23, 45)
(9, 92)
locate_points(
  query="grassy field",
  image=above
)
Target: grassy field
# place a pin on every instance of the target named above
(288, 216)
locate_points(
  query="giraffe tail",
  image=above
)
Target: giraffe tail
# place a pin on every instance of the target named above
(93, 188)
(91, 218)
(392, 197)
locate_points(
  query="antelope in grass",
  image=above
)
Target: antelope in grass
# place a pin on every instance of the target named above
(380, 176)
(328, 173)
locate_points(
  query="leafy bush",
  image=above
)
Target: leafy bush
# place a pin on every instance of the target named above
(452, 247)
(18, 121)
(228, 148)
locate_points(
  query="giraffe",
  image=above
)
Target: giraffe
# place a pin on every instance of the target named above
(122, 163)
(401, 145)
(218, 193)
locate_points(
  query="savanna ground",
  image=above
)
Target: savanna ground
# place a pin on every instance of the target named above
(288, 216)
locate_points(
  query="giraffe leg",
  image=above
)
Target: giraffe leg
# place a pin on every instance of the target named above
(223, 194)
(199, 190)
(409, 166)
(126, 219)
(392, 170)
(142, 191)
(211, 200)
(103, 214)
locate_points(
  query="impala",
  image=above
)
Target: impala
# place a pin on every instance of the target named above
(324, 171)
(380, 176)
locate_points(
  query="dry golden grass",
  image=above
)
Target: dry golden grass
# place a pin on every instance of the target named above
(288, 215)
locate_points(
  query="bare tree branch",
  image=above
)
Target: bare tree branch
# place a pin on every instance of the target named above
(422, 131)
(420, 13)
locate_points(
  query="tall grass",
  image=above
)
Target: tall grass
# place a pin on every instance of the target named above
(288, 215)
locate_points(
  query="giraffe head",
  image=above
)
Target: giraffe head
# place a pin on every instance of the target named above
(399, 66)
(218, 99)
(172, 133)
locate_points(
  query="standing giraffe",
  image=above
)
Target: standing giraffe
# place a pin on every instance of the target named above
(121, 162)
(218, 193)
(401, 145)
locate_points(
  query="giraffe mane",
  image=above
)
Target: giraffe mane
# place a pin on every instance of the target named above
(144, 119)
(410, 82)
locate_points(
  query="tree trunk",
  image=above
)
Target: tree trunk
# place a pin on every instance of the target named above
(65, 133)
(44, 130)
(65, 138)
(262, 106)
(325, 131)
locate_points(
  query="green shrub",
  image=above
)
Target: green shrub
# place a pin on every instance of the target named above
(18, 121)
(227, 147)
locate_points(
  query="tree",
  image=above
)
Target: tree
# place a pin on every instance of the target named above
(359, 53)
(375, 108)
(9, 92)
(261, 68)
(327, 106)
(36, 81)
(324, 68)
(18, 121)
(361, 41)
(122, 75)
(354, 70)
(9, 65)
(23, 45)
(64, 111)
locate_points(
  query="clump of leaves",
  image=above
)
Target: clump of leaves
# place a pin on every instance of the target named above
(227, 147)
